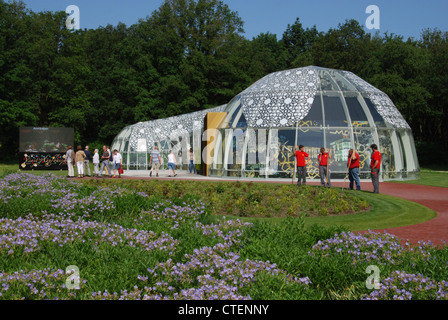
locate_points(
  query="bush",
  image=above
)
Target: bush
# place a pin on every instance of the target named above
(245, 199)
(430, 154)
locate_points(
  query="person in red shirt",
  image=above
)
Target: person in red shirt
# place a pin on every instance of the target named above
(324, 172)
(375, 164)
(353, 169)
(301, 165)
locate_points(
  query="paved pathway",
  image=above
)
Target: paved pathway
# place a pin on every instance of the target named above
(435, 198)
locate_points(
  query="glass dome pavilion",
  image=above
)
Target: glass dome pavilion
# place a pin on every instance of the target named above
(258, 129)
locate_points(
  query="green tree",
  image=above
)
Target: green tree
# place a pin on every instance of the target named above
(402, 66)
(114, 59)
(435, 78)
(298, 43)
(190, 42)
(265, 54)
(20, 88)
(347, 48)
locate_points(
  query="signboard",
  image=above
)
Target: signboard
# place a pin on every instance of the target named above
(44, 148)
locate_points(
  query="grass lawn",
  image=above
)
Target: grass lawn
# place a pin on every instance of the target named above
(11, 168)
(430, 178)
(386, 212)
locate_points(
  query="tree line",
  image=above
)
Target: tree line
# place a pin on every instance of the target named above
(189, 55)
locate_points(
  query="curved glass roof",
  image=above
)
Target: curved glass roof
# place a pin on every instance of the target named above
(144, 135)
(317, 96)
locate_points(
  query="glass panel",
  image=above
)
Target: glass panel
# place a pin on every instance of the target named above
(241, 122)
(165, 146)
(124, 159)
(116, 144)
(334, 111)
(285, 158)
(379, 121)
(412, 164)
(356, 112)
(233, 110)
(256, 153)
(338, 140)
(399, 161)
(409, 152)
(141, 145)
(412, 156)
(142, 165)
(326, 82)
(314, 117)
(312, 140)
(387, 154)
(132, 161)
(342, 83)
(402, 151)
(273, 152)
(220, 159)
(126, 145)
(218, 151)
(164, 159)
(363, 140)
(236, 148)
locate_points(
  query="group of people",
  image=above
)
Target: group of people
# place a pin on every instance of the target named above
(112, 162)
(155, 162)
(352, 167)
(82, 157)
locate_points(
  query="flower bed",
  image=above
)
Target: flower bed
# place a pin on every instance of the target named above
(129, 244)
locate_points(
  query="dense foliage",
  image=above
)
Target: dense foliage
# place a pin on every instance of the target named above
(189, 55)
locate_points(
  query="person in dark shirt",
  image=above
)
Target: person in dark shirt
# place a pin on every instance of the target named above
(87, 161)
(105, 162)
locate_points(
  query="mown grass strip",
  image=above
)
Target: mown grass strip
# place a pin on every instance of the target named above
(385, 212)
(430, 178)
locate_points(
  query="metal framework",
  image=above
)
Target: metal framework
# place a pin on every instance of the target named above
(312, 106)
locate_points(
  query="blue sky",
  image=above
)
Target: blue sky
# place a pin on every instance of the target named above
(401, 17)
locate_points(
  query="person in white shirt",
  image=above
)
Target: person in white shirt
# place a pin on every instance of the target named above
(96, 162)
(70, 158)
(171, 164)
(117, 163)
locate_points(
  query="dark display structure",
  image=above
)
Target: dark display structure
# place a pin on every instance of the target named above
(44, 148)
